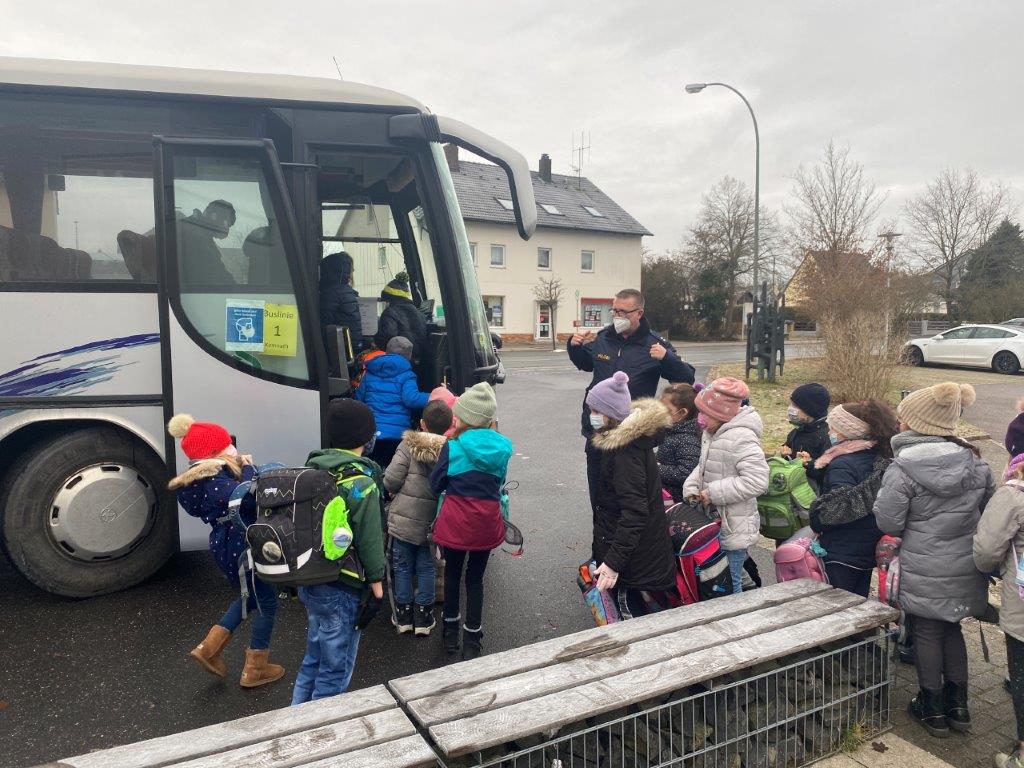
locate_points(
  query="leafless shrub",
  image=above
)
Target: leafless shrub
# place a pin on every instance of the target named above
(857, 363)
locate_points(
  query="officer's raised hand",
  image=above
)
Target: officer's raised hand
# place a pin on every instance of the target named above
(658, 351)
(581, 338)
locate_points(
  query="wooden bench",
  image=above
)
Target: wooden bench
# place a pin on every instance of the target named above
(537, 689)
(362, 729)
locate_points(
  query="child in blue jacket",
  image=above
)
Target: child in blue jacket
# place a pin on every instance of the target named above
(389, 387)
(204, 490)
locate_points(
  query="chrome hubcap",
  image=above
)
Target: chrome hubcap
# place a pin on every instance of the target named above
(101, 512)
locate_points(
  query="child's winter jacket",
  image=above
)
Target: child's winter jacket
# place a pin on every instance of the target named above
(812, 438)
(359, 486)
(389, 387)
(998, 545)
(843, 514)
(203, 491)
(630, 530)
(470, 471)
(734, 472)
(678, 454)
(932, 496)
(414, 504)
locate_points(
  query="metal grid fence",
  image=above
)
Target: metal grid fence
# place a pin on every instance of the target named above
(790, 712)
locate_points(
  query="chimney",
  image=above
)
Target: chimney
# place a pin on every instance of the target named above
(545, 167)
(451, 154)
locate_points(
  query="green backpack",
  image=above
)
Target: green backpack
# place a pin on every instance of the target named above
(785, 508)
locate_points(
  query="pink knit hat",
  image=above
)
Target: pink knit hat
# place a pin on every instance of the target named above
(722, 398)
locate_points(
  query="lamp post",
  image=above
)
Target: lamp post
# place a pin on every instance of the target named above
(697, 88)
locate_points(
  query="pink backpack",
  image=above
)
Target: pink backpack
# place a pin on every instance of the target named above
(796, 559)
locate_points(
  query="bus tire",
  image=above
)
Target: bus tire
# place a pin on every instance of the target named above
(53, 531)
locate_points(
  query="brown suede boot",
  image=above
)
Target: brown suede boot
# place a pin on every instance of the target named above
(207, 653)
(258, 671)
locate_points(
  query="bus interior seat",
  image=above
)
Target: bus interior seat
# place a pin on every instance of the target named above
(139, 254)
(27, 257)
(267, 265)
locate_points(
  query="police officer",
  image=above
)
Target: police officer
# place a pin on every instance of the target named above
(628, 345)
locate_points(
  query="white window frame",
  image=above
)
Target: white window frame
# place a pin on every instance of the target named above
(551, 208)
(495, 296)
(592, 211)
(593, 259)
(504, 203)
(497, 266)
(539, 266)
(472, 252)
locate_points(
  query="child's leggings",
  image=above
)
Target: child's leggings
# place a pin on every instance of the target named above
(1015, 663)
(262, 606)
(475, 564)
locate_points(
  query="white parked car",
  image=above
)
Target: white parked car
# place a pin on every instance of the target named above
(998, 347)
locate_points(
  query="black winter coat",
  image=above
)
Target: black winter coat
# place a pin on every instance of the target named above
(678, 454)
(812, 438)
(339, 305)
(630, 528)
(611, 352)
(402, 318)
(842, 514)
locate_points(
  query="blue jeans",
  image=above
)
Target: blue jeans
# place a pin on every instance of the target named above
(332, 642)
(262, 606)
(736, 558)
(413, 559)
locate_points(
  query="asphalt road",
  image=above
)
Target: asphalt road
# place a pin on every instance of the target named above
(83, 675)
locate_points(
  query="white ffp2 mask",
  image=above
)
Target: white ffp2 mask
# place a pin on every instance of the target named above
(621, 324)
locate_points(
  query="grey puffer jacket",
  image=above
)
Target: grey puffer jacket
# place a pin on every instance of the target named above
(414, 505)
(734, 472)
(932, 496)
(998, 544)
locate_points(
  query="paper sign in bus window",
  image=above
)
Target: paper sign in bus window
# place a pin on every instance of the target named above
(281, 326)
(244, 325)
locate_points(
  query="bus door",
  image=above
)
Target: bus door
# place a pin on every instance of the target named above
(239, 343)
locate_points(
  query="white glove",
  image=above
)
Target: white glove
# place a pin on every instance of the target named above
(606, 577)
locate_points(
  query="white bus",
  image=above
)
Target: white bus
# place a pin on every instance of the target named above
(160, 235)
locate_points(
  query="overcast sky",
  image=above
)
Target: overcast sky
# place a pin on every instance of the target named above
(910, 86)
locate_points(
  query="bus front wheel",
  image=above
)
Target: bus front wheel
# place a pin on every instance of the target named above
(86, 512)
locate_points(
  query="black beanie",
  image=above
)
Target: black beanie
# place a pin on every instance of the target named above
(813, 399)
(350, 423)
(1014, 441)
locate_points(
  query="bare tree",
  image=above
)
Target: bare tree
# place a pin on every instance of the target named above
(835, 205)
(953, 215)
(549, 294)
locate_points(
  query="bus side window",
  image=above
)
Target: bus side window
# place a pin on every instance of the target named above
(234, 281)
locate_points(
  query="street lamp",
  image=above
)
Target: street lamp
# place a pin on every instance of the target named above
(697, 88)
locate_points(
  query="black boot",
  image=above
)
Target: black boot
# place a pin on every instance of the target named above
(471, 643)
(402, 618)
(927, 709)
(955, 707)
(423, 619)
(450, 635)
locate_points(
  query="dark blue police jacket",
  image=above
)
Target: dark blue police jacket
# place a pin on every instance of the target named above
(610, 352)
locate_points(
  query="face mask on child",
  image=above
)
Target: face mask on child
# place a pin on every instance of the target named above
(621, 324)
(597, 421)
(834, 439)
(231, 451)
(793, 414)
(368, 448)
(702, 421)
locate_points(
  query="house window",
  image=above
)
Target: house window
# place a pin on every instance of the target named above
(506, 204)
(587, 261)
(597, 313)
(543, 258)
(472, 252)
(551, 209)
(495, 308)
(593, 211)
(498, 256)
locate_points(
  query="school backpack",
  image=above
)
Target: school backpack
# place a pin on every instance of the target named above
(601, 602)
(703, 566)
(800, 558)
(301, 534)
(887, 558)
(784, 508)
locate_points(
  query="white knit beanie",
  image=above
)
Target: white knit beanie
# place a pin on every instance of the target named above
(936, 410)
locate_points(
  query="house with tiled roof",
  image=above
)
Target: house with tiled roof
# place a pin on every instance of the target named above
(583, 238)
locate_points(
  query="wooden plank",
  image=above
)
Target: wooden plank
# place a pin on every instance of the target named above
(410, 752)
(555, 710)
(166, 750)
(337, 739)
(596, 640)
(535, 683)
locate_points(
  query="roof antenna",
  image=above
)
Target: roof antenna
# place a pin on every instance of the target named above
(335, 60)
(577, 155)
